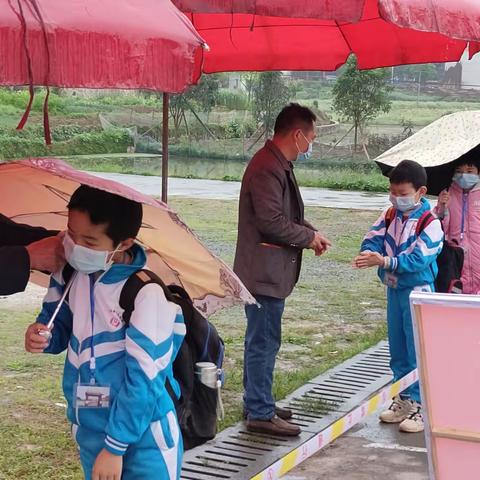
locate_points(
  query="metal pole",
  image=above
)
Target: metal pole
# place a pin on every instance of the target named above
(165, 149)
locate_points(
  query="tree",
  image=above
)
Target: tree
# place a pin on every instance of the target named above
(203, 97)
(417, 73)
(205, 94)
(270, 93)
(360, 95)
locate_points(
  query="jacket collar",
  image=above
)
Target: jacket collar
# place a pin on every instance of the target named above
(279, 155)
(121, 271)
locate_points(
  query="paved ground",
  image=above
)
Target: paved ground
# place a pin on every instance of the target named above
(370, 451)
(218, 190)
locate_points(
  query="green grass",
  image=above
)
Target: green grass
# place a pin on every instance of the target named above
(334, 313)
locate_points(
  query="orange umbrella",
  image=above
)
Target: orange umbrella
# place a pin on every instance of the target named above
(37, 191)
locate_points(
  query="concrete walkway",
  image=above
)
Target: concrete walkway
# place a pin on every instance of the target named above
(219, 190)
(370, 451)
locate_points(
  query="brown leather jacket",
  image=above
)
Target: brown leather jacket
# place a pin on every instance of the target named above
(272, 230)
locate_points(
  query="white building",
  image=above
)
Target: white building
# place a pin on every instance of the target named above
(470, 71)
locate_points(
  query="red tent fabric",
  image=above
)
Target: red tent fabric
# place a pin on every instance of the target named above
(144, 44)
(339, 10)
(240, 41)
(454, 18)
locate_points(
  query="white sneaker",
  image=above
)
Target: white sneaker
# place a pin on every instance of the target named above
(414, 422)
(397, 412)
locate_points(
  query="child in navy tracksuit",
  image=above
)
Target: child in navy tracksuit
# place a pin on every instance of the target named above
(404, 244)
(123, 419)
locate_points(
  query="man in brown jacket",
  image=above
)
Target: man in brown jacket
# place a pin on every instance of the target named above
(272, 232)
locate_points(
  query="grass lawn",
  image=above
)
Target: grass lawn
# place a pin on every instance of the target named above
(334, 313)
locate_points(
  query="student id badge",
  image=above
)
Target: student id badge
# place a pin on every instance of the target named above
(390, 280)
(91, 395)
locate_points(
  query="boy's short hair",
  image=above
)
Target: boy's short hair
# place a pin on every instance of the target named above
(409, 171)
(294, 116)
(122, 216)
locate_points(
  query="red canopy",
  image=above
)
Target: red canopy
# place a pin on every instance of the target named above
(339, 10)
(454, 18)
(98, 44)
(240, 41)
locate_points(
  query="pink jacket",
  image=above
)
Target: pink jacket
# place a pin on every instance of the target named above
(464, 208)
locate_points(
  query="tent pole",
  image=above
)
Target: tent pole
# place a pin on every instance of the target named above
(165, 149)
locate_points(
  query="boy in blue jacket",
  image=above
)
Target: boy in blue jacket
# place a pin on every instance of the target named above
(122, 416)
(404, 244)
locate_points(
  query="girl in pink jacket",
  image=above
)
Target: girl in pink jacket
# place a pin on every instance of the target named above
(459, 209)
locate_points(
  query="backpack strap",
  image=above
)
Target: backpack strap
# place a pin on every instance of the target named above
(67, 273)
(424, 221)
(389, 217)
(132, 287)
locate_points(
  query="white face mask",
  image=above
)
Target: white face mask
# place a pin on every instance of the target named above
(305, 155)
(86, 260)
(404, 204)
(466, 180)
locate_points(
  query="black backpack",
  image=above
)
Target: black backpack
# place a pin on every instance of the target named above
(197, 406)
(449, 262)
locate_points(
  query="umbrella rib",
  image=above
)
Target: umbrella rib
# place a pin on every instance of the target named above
(344, 37)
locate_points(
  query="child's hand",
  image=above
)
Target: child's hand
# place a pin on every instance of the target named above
(368, 259)
(35, 343)
(443, 198)
(107, 466)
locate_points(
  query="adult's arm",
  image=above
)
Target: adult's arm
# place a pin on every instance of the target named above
(17, 234)
(14, 269)
(14, 257)
(267, 198)
(309, 225)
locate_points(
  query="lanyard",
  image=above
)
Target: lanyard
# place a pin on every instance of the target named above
(395, 252)
(464, 215)
(92, 317)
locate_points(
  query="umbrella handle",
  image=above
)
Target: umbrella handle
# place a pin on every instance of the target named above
(60, 303)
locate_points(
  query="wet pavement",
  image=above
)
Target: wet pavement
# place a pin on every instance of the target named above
(370, 451)
(219, 190)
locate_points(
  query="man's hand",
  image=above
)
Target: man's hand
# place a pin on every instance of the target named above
(107, 466)
(320, 244)
(47, 254)
(35, 343)
(368, 259)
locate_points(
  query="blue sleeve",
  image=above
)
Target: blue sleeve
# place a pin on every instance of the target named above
(422, 253)
(152, 340)
(62, 328)
(374, 241)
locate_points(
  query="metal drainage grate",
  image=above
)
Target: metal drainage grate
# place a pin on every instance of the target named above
(236, 454)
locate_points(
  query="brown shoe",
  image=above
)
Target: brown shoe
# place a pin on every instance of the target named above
(283, 413)
(274, 426)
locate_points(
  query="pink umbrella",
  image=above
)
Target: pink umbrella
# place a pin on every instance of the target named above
(145, 44)
(140, 44)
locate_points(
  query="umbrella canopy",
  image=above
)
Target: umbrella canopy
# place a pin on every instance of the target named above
(37, 191)
(144, 44)
(340, 10)
(456, 19)
(437, 147)
(322, 41)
